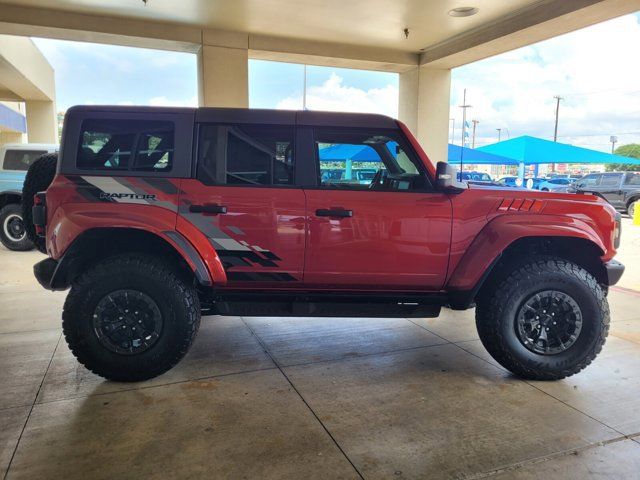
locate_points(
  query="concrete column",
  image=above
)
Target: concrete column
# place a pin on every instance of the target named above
(42, 121)
(424, 108)
(223, 77)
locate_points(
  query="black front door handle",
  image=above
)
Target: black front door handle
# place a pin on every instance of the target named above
(327, 212)
(214, 209)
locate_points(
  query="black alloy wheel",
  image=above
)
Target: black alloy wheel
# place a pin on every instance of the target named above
(549, 322)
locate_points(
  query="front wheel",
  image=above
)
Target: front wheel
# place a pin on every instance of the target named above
(632, 208)
(546, 320)
(12, 229)
(130, 318)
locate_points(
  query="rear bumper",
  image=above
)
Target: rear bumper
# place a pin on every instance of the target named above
(614, 271)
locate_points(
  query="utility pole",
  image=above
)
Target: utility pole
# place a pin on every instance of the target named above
(473, 136)
(499, 133)
(613, 139)
(555, 130)
(464, 107)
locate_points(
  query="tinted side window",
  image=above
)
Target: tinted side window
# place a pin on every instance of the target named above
(20, 159)
(359, 159)
(632, 179)
(246, 155)
(611, 180)
(126, 145)
(589, 181)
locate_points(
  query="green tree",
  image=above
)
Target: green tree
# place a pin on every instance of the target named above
(630, 150)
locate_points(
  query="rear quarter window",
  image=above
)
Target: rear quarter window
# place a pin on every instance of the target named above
(633, 179)
(20, 159)
(126, 145)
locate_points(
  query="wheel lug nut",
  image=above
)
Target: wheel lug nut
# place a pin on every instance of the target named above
(126, 311)
(120, 318)
(554, 323)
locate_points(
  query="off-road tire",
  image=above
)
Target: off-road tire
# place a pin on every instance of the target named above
(8, 214)
(174, 295)
(499, 302)
(38, 178)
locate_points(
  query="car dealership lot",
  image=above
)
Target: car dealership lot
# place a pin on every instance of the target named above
(314, 398)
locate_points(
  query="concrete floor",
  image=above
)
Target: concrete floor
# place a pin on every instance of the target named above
(311, 398)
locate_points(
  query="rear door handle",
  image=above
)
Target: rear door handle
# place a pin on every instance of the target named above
(327, 212)
(214, 209)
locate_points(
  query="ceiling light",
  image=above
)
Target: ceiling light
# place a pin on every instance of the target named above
(463, 11)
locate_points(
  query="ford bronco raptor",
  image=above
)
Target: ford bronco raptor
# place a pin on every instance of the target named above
(152, 216)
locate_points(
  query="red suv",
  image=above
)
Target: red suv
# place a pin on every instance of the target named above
(154, 215)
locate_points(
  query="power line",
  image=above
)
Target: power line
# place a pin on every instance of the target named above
(598, 92)
(598, 134)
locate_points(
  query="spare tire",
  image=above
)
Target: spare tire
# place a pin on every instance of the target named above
(39, 177)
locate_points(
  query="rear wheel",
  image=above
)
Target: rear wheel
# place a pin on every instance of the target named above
(130, 318)
(38, 178)
(632, 207)
(545, 320)
(12, 231)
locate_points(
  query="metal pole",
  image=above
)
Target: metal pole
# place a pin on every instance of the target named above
(473, 137)
(499, 133)
(304, 88)
(464, 107)
(555, 130)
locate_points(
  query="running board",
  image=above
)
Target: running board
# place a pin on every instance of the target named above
(268, 304)
(325, 309)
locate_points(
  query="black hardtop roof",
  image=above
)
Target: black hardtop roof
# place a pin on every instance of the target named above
(250, 115)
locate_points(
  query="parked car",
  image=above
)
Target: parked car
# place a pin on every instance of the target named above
(510, 182)
(620, 189)
(151, 215)
(558, 184)
(15, 159)
(474, 176)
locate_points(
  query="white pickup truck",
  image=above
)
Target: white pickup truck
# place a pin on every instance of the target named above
(15, 159)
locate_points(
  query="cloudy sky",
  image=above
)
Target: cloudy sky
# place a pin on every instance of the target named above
(595, 70)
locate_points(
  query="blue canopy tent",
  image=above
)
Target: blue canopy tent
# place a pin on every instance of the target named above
(355, 153)
(532, 150)
(350, 153)
(458, 154)
(528, 150)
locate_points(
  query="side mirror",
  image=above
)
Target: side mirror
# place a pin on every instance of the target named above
(447, 178)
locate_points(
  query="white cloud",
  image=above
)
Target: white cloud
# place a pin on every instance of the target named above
(595, 70)
(334, 95)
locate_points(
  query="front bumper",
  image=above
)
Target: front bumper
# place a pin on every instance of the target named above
(614, 271)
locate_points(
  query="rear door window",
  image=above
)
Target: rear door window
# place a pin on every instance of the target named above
(136, 145)
(21, 159)
(246, 155)
(611, 179)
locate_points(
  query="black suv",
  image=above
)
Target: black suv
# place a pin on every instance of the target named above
(620, 189)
